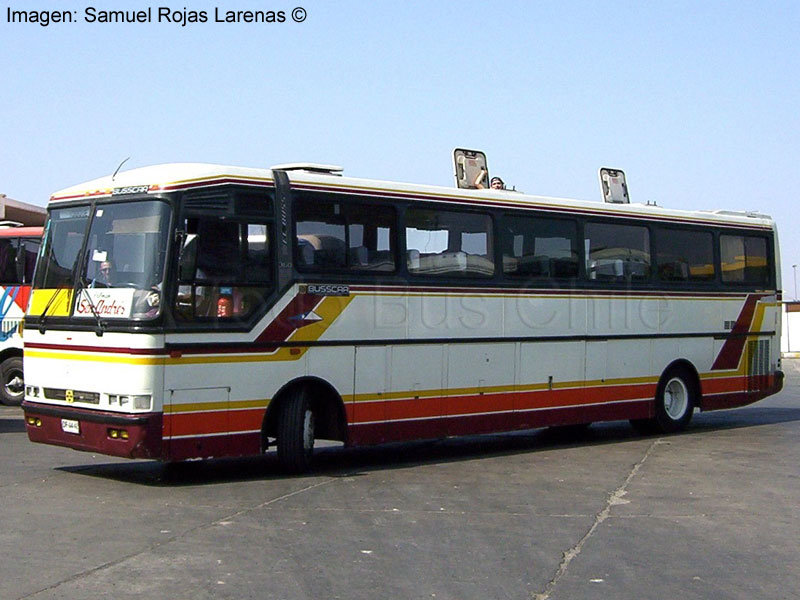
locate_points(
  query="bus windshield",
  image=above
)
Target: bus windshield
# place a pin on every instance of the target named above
(61, 244)
(118, 253)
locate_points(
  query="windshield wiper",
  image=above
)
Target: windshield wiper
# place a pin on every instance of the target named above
(60, 288)
(50, 303)
(79, 289)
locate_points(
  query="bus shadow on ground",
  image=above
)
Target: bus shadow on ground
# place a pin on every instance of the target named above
(349, 462)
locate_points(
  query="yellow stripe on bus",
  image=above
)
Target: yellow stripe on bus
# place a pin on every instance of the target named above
(214, 406)
(93, 357)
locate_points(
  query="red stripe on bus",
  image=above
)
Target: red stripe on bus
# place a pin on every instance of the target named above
(479, 403)
(196, 423)
(446, 406)
(224, 421)
(723, 385)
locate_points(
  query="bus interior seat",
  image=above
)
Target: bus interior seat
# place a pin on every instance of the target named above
(306, 252)
(510, 264)
(359, 256)
(413, 260)
(534, 266)
(381, 260)
(445, 262)
(449, 262)
(674, 271)
(635, 269)
(605, 268)
(564, 267)
(321, 250)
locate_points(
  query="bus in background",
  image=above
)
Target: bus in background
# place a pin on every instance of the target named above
(189, 311)
(18, 249)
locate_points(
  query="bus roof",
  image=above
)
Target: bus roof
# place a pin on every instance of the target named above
(181, 176)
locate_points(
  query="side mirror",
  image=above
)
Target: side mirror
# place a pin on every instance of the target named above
(470, 169)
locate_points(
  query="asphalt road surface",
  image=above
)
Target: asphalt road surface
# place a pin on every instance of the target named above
(709, 513)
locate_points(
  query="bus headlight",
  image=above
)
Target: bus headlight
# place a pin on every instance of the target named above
(140, 402)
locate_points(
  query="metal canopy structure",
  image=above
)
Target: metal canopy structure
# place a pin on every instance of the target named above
(15, 211)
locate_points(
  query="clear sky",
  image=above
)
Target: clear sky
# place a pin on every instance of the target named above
(699, 102)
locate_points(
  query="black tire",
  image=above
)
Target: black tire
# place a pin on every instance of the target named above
(676, 397)
(296, 432)
(12, 390)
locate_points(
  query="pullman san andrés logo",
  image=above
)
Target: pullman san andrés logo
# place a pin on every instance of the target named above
(107, 304)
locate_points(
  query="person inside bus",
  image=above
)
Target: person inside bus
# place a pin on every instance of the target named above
(218, 266)
(496, 183)
(105, 275)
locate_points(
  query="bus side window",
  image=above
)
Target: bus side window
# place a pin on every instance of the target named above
(8, 261)
(684, 255)
(224, 269)
(218, 250)
(540, 247)
(617, 253)
(744, 259)
(449, 243)
(344, 236)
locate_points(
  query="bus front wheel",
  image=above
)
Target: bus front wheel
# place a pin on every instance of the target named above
(675, 400)
(296, 432)
(13, 389)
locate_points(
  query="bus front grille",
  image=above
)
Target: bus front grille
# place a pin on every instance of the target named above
(72, 395)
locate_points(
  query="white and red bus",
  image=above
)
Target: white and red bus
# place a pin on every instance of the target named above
(18, 249)
(189, 311)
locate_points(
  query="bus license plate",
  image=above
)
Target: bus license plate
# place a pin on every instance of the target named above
(70, 426)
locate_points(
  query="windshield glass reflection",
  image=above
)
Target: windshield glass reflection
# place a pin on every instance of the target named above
(123, 270)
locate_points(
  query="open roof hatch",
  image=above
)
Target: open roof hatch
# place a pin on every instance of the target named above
(468, 166)
(309, 168)
(613, 186)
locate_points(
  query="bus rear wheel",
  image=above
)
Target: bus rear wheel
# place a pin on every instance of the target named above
(13, 388)
(296, 432)
(675, 400)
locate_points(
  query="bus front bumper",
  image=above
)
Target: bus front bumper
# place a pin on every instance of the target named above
(115, 434)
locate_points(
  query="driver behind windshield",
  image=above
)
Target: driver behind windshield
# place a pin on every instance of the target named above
(105, 275)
